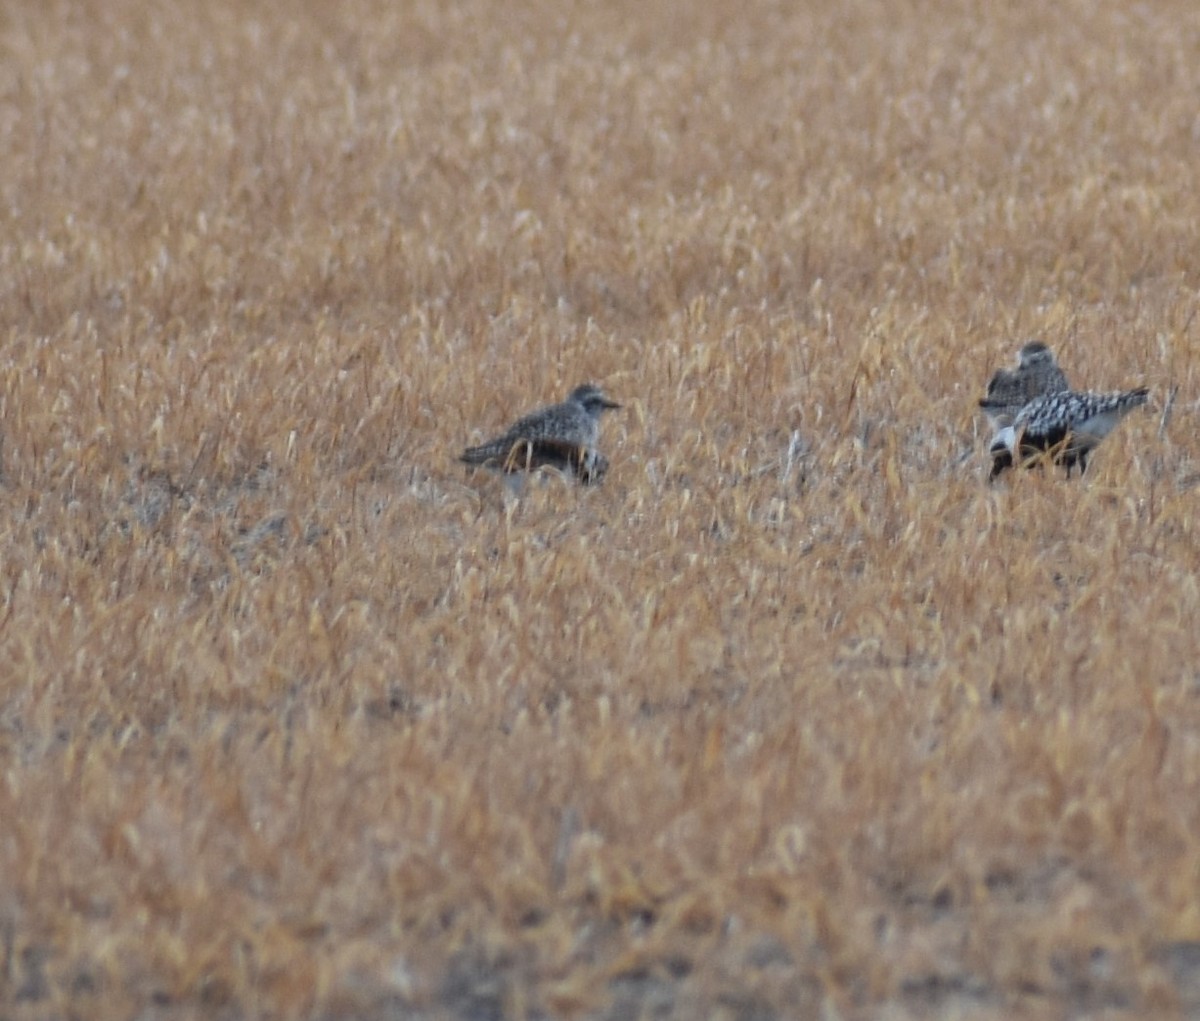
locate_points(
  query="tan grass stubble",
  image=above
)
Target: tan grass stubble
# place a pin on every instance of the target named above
(299, 717)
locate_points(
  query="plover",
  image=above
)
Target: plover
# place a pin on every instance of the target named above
(1066, 426)
(560, 436)
(1009, 390)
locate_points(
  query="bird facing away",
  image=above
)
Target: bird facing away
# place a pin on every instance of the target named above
(1066, 426)
(1009, 390)
(560, 436)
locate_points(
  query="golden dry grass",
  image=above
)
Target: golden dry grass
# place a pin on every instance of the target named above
(299, 720)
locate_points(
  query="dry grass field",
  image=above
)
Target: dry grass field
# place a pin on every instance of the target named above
(794, 715)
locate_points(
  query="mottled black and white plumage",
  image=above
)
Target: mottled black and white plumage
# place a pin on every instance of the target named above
(560, 436)
(1065, 426)
(1009, 390)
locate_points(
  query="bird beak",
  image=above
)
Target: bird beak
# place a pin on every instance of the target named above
(610, 404)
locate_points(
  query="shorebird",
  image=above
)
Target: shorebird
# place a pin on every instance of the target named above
(1065, 426)
(560, 436)
(1009, 390)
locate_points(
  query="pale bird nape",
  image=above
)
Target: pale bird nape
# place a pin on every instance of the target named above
(562, 437)
(1009, 390)
(1064, 427)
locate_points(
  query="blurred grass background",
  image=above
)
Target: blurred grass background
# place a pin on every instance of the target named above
(794, 715)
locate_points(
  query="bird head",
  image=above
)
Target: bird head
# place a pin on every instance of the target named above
(592, 398)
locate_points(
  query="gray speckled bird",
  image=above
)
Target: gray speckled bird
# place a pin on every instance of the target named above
(560, 436)
(1009, 390)
(1067, 426)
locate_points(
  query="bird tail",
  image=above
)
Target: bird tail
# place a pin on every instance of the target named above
(482, 454)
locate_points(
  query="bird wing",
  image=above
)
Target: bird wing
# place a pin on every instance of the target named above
(520, 453)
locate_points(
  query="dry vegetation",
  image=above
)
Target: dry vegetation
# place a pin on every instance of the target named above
(793, 716)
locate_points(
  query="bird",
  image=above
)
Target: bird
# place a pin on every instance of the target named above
(559, 436)
(1066, 426)
(1009, 390)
